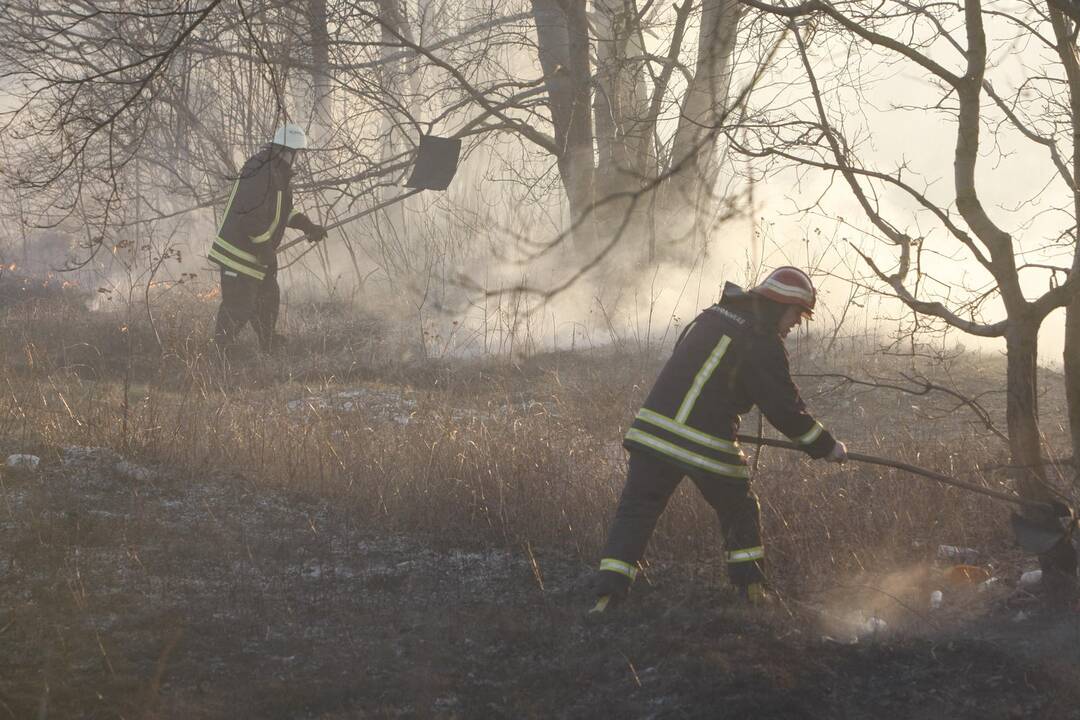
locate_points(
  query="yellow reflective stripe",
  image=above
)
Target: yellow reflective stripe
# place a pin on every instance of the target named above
(711, 441)
(618, 566)
(746, 554)
(811, 436)
(293, 213)
(601, 604)
(232, 196)
(686, 456)
(273, 225)
(701, 378)
(230, 248)
(233, 265)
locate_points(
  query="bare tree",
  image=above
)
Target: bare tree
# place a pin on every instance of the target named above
(214, 78)
(635, 101)
(951, 257)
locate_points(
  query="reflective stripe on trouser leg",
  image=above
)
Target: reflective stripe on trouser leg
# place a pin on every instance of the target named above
(745, 565)
(618, 566)
(614, 577)
(739, 514)
(745, 555)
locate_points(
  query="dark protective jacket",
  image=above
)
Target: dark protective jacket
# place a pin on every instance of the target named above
(726, 361)
(259, 209)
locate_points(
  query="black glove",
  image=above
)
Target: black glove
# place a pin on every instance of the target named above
(315, 233)
(266, 255)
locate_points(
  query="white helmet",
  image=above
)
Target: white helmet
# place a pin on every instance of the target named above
(291, 136)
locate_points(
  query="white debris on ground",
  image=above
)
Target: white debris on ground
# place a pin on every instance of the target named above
(135, 472)
(1031, 578)
(872, 626)
(954, 553)
(851, 628)
(24, 462)
(394, 406)
(91, 461)
(388, 405)
(78, 454)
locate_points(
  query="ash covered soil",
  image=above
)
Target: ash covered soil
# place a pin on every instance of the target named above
(129, 592)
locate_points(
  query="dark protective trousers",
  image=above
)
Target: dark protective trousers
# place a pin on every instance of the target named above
(245, 299)
(650, 483)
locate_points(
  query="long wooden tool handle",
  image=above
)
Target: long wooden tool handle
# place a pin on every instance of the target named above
(914, 469)
(357, 216)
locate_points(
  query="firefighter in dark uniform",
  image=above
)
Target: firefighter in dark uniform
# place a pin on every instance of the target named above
(260, 207)
(729, 359)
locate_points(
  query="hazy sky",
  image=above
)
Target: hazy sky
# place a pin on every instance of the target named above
(1015, 178)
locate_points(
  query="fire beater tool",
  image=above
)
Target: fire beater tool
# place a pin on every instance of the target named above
(435, 166)
(1040, 526)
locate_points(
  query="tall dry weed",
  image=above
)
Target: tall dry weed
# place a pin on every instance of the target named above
(489, 450)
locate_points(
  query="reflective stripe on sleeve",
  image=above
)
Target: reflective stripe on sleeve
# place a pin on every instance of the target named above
(273, 224)
(232, 196)
(686, 456)
(618, 566)
(701, 378)
(746, 555)
(709, 441)
(811, 436)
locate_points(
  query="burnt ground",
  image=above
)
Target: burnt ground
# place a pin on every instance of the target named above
(127, 592)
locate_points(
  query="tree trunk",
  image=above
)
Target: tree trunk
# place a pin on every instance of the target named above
(391, 76)
(694, 165)
(609, 60)
(1022, 410)
(1072, 367)
(563, 48)
(322, 105)
(1022, 413)
(626, 151)
(1066, 49)
(625, 147)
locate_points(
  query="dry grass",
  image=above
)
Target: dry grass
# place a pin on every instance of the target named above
(326, 505)
(522, 451)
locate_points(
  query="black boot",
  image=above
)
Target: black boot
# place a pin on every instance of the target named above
(610, 590)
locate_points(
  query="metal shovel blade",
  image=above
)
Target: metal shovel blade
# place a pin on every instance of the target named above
(436, 163)
(1037, 531)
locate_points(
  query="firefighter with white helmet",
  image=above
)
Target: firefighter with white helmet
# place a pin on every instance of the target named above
(729, 359)
(259, 209)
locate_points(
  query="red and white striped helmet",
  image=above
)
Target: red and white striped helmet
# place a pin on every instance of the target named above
(789, 286)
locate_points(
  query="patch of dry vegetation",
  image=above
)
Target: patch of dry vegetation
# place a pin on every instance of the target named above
(236, 515)
(506, 450)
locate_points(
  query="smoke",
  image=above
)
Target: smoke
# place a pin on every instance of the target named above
(487, 268)
(867, 604)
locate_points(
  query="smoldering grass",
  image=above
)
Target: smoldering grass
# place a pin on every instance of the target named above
(499, 450)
